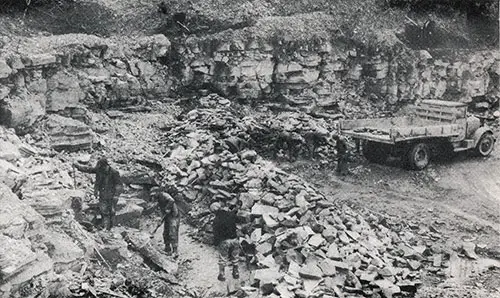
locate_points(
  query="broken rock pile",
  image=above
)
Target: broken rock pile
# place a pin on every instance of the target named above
(301, 133)
(290, 134)
(45, 252)
(306, 245)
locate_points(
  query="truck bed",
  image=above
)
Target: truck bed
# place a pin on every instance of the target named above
(398, 129)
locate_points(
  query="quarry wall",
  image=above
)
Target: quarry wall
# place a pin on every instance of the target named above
(69, 74)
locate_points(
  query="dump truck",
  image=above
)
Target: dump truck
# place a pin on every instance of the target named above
(435, 127)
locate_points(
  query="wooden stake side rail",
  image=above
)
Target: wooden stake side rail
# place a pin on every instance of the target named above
(402, 134)
(431, 119)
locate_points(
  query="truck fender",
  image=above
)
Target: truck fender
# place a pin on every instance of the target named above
(479, 133)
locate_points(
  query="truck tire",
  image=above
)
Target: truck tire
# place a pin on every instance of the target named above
(375, 152)
(485, 145)
(419, 156)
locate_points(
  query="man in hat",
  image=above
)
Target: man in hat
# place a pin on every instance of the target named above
(342, 156)
(226, 238)
(107, 188)
(171, 219)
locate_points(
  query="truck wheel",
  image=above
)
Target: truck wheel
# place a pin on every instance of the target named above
(375, 152)
(485, 144)
(419, 156)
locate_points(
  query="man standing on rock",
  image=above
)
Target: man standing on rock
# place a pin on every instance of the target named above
(342, 157)
(226, 238)
(171, 220)
(107, 188)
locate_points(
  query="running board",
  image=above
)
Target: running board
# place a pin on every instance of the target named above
(463, 145)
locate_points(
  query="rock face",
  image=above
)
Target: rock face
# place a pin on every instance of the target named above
(18, 261)
(335, 74)
(17, 217)
(106, 73)
(51, 203)
(20, 111)
(29, 248)
(65, 92)
(68, 134)
(10, 152)
(40, 238)
(92, 71)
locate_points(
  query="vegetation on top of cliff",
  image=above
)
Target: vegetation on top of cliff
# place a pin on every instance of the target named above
(418, 24)
(472, 8)
(370, 22)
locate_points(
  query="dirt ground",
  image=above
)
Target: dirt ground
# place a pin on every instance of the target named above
(459, 199)
(461, 196)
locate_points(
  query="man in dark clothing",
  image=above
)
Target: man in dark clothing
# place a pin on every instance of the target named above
(171, 220)
(107, 188)
(314, 140)
(226, 239)
(341, 147)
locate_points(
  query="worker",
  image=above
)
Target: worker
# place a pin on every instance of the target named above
(314, 140)
(171, 220)
(107, 188)
(226, 238)
(342, 157)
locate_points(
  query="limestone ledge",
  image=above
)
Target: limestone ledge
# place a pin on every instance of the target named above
(66, 74)
(329, 73)
(63, 75)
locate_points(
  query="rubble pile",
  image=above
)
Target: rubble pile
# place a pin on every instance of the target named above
(44, 249)
(289, 134)
(213, 101)
(35, 225)
(302, 134)
(306, 245)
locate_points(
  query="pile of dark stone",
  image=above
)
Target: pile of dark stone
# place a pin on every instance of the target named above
(306, 246)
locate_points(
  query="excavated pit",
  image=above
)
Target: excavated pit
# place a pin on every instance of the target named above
(151, 107)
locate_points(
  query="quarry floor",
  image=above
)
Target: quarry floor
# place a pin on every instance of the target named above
(459, 198)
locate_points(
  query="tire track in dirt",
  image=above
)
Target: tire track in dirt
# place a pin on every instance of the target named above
(479, 180)
(423, 197)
